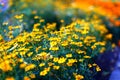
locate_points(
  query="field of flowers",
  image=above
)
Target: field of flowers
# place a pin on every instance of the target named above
(56, 39)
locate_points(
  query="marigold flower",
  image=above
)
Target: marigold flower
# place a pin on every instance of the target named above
(87, 57)
(42, 64)
(69, 64)
(61, 60)
(55, 59)
(32, 76)
(43, 73)
(98, 68)
(54, 48)
(5, 66)
(108, 36)
(56, 67)
(26, 78)
(19, 16)
(10, 78)
(23, 65)
(68, 55)
(50, 64)
(29, 67)
(79, 77)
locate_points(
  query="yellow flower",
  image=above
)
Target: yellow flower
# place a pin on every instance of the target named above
(54, 48)
(42, 64)
(87, 57)
(43, 55)
(10, 78)
(47, 69)
(102, 43)
(71, 61)
(56, 67)
(36, 25)
(20, 60)
(29, 67)
(26, 78)
(61, 60)
(62, 21)
(50, 64)
(55, 59)
(68, 55)
(22, 53)
(75, 36)
(64, 43)
(108, 36)
(32, 76)
(10, 28)
(81, 60)
(43, 73)
(69, 64)
(5, 66)
(36, 17)
(84, 32)
(94, 64)
(29, 54)
(23, 65)
(93, 47)
(79, 77)
(89, 65)
(80, 51)
(19, 16)
(102, 49)
(42, 20)
(53, 43)
(98, 68)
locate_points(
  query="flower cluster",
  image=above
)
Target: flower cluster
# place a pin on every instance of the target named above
(46, 53)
